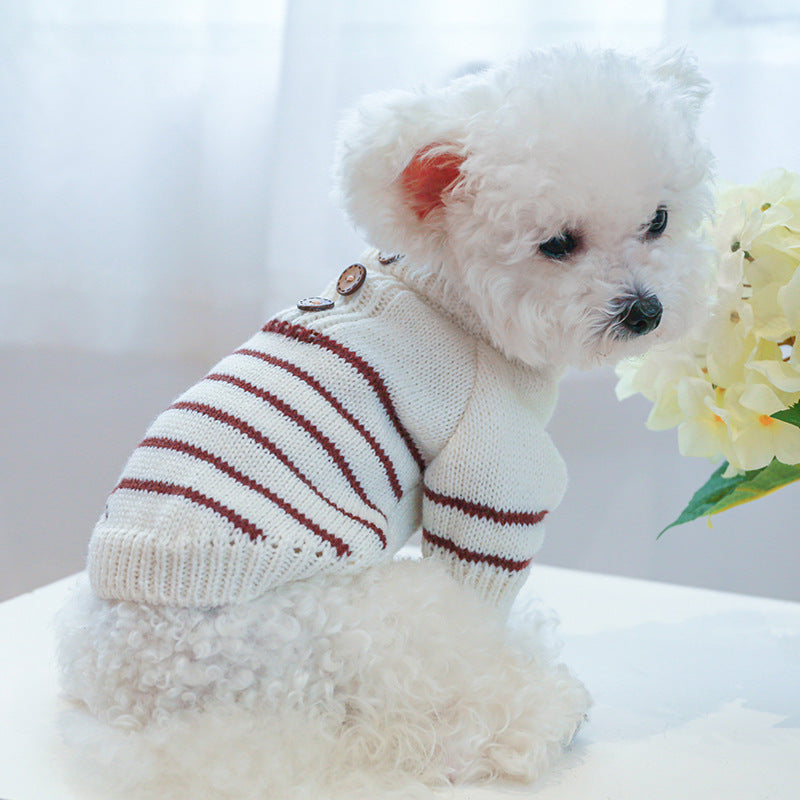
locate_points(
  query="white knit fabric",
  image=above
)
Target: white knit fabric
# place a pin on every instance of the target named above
(322, 444)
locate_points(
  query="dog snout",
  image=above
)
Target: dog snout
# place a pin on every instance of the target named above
(641, 314)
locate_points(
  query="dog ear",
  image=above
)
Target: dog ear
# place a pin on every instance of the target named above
(678, 70)
(399, 163)
(428, 177)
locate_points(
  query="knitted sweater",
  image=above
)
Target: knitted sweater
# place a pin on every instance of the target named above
(322, 443)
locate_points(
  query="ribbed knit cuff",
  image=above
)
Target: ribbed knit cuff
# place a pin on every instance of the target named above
(496, 586)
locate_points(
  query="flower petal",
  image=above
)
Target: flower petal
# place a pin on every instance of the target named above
(789, 299)
(760, 398)
(770, 322)
(782, 375)
(787, 442)
(753, 448)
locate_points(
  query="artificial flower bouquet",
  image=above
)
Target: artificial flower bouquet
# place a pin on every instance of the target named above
(732, 386)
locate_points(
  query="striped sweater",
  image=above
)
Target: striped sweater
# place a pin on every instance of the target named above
(324, 442)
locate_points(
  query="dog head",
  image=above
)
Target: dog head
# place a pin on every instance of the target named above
(562, 195)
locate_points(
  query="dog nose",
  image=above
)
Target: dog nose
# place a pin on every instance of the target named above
(642, 314)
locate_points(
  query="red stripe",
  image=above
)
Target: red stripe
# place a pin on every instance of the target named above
(343, 412)
(240, 425)
(165, 443)
(486, 512)
(329, 447)
(161, 487)
(301, 334)
(473, 557)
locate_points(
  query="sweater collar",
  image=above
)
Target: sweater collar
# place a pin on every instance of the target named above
(434, 288)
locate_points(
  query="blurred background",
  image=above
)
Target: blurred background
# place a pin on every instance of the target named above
(164, 187)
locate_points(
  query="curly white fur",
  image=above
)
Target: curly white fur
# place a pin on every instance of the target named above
(557, 140)
(394, 677)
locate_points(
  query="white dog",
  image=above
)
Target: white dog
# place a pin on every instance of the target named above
(248, 633)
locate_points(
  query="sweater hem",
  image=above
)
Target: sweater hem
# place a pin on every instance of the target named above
(206, 571)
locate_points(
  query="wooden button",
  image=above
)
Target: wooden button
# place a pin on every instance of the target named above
(315, 304)
(351, 279)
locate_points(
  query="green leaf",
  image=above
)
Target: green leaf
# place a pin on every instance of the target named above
(790, 415)
(719, 494)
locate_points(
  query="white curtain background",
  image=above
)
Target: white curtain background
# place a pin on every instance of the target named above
(134, 142)
(164, 187)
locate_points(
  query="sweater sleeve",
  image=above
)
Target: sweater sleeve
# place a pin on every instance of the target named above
(488, 491)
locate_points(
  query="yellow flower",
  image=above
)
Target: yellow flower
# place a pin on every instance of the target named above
(730, 341)
(763, 439)
(705, 430)
(658, 380)
(721, 385)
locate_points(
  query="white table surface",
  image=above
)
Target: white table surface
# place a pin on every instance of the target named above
(697, 694)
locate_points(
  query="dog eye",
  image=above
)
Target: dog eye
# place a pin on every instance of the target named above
(559, 246)
(657, 224)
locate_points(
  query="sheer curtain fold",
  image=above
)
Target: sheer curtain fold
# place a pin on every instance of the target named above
(165, 166)
(133, 184)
